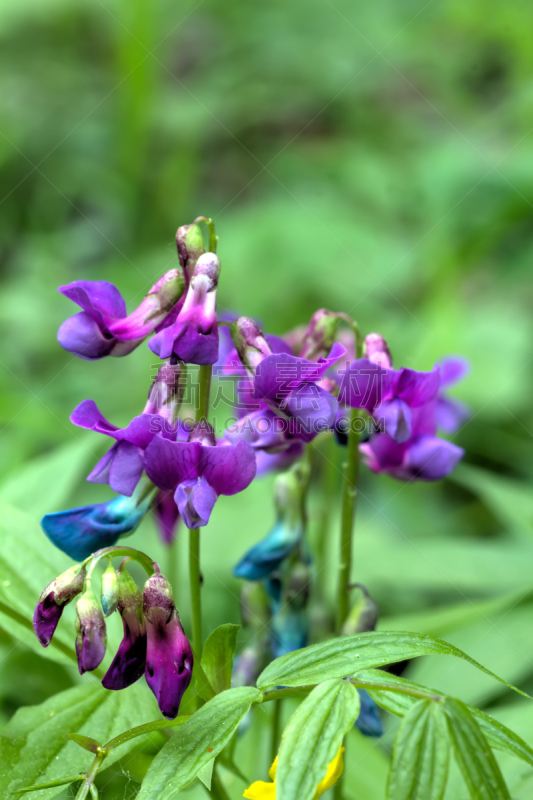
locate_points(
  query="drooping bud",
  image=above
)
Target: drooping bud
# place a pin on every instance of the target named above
(375, 348)
(169, 658)
(320, 334)
(190, 244)
(166, 392)
(250, 343)
(91, 639)
(129, 662)
(267, 555)
(363, 614)
(54, 599)
(110, 590)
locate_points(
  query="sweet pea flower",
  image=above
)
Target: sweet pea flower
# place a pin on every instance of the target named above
(424, 456)
(129, 662)
(261, 790)
(198, 471)
(169, 658)
(451, 413)
(103, 328)
(79, 532)
(53, 600)
(122, 466)
(193, 337)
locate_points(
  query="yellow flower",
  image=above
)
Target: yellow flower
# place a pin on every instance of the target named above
(260, 790)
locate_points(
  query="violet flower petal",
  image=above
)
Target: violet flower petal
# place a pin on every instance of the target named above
(417, 388)
(279, 374)
(364, 384)
(452, 370)
(195, 500)
(169, 463)
(46, 618)
(451, 414)
(230, 469)
(167, 516)
(100, 299)
(429, 458)
(313, 408)
(129, 662)
(394, 417)
(91, 652)
(169, 661)
(82, 336)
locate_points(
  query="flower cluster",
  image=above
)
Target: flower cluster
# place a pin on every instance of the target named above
(154, 643)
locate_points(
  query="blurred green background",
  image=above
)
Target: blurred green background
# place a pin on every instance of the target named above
(370, 158)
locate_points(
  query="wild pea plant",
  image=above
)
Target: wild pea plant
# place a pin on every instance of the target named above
(323, 380)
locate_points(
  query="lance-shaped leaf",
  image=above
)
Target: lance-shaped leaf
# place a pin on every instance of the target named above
(312, 738)
(34, 746)
(421, 754)
(198, 741)
(217, 656)
(347, 655)
(472, 752)
(398, 695)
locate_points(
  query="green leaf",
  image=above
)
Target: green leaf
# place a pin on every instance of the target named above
(34, 744)
(217, 656)
(347, 655)
(28, 562)
(206, 774)
(393, 699)
(46, 482)
(85, 741)
(421, 754)
(312, 738)
(198, 741)
(476, 761)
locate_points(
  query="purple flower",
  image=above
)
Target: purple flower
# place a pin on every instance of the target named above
(169, 658)
(198, 471)
(288, 385)
(122, 466)
(103, 328)
(423, 457)
(78, 532)
(53, 600)
(389, 395)
(451, 413)
(129, 662)
(193, 337)
(91, 636)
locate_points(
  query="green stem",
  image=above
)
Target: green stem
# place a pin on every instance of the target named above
(113, 552)
(217, 787)
(172, 567)
(195, 582)
(329, 480)
(85, 788)
(276, 724)
(279, 694)
(349, 500)
(213, 238)
(204, 389)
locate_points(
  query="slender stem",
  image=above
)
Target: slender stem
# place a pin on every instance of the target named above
(328, 494)
(349, 500)
(85, 788)
(113, 552)
(172, 567)
(279, 694)
(276, 724)
(195, 582)
(148, 727)
(217, 787)
(204, 384)
(213, 238)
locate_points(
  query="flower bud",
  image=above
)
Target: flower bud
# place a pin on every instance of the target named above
(375, 348)
(250, 342)
(129, 662)
(110, 591)
(319, 335)
(166, 392)
(363, 615)
(54, 599)
(92, 637)
(169, 658)
(190, 244)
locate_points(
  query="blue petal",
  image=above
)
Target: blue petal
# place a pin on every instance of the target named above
(369, 722)
(290, 631)
(266, 556)
(78, 532)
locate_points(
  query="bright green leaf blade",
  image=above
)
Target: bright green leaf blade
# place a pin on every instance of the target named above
(46, 483)
(501, 737)
(347, 655)
(198, 741)
(206, 774)
(421, 754)
(217, 656)
(476, 761)
(28, 562)
(312, 738)
(34, 747)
